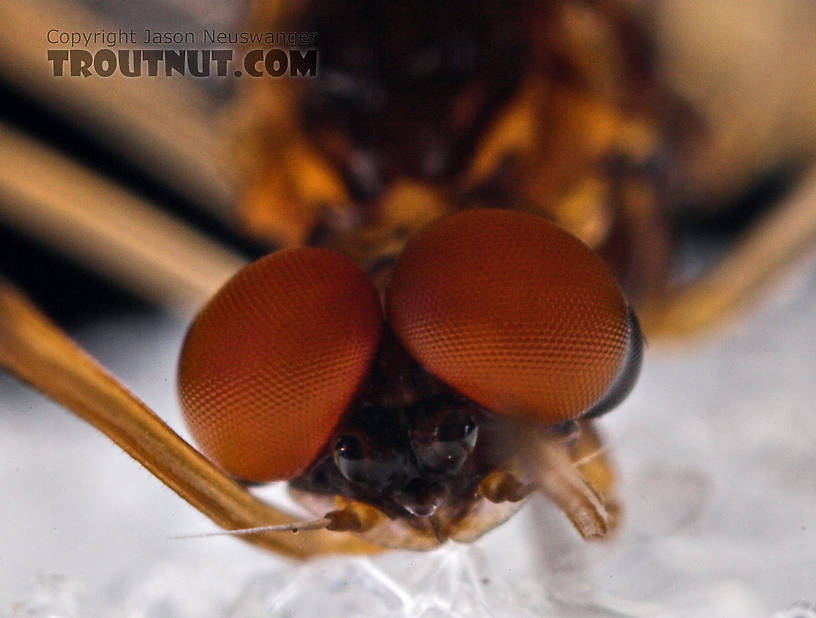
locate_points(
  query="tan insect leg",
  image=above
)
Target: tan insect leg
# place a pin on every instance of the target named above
(782, 236)
(65, 205)
(590, 460)
(577, 479)
(33, 349)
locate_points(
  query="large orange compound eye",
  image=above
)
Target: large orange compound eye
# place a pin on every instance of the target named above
(512, 311)
(273, 360)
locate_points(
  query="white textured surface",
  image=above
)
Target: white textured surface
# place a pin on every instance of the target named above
(717, 463)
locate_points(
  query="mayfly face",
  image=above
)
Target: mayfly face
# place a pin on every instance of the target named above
(295, 371)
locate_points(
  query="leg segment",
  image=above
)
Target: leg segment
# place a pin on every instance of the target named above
(34, 350)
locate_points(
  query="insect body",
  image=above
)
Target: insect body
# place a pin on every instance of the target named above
(422, 110)
(426, 402)
(293, 372)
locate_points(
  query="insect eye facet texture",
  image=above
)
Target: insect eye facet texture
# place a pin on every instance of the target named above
(512, 311)
(272, 361)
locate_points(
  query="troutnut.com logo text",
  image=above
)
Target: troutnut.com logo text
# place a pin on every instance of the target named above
(293, 56)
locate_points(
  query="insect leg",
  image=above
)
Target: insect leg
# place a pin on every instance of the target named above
(34, 350)
(771, 244)
(578, 484)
